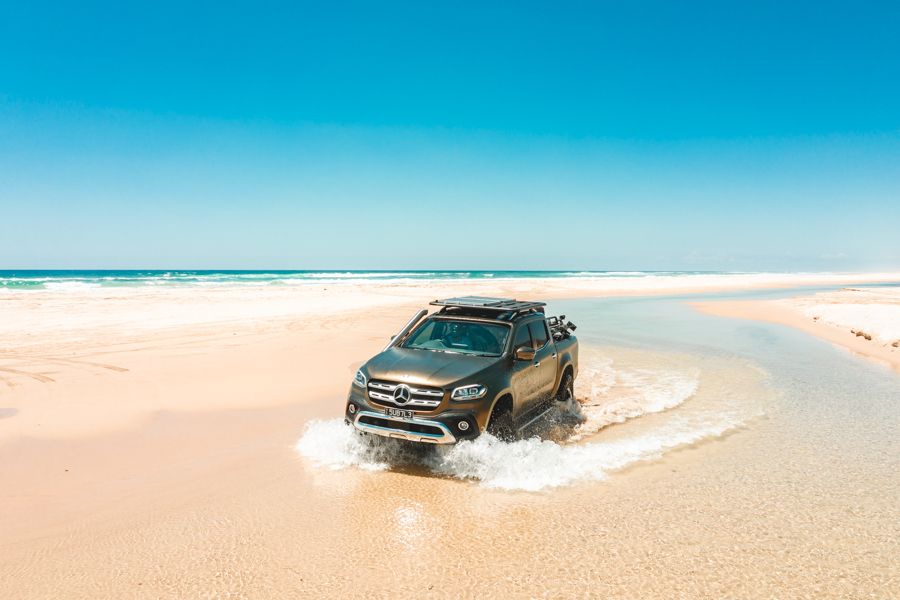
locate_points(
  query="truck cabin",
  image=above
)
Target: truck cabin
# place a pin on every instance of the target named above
(472, 325)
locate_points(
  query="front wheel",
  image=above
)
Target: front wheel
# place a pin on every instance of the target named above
(502, 426)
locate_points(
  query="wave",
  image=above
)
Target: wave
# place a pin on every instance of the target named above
(71, 285)
(33, 280)
(368, 275)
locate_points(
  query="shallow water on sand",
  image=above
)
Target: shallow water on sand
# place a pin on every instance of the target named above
(716, 457)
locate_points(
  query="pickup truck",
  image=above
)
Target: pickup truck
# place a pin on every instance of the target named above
(477, 364)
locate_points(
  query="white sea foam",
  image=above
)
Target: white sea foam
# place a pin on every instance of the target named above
(367, 275)
(599, 282)
(334, 445)
(646, 392)
(530, 465)
(536, 464)
(64, 286)
(606, 395)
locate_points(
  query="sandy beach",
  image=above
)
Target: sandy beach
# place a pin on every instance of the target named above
(78, 333)
(151, 446)
(864, 321)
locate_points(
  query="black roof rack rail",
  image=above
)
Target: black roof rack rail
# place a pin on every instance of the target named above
(489, 304)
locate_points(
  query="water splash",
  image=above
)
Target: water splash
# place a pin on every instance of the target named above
(608, 396)
(535, 464)
(532, 464)
(563, 449)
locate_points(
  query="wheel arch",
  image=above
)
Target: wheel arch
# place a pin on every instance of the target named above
(503, 398)
(567, 365)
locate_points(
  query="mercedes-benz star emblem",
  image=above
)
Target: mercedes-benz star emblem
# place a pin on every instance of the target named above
(402, 395)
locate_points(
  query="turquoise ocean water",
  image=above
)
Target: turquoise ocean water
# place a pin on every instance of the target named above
(61, 279)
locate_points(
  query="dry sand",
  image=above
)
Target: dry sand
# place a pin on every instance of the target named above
(146, 450)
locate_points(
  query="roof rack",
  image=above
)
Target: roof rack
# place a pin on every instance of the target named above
(490, 304)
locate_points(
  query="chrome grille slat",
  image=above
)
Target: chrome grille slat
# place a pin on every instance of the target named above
(390, 387)
(430, 403)
(381, 392)
(436, 393)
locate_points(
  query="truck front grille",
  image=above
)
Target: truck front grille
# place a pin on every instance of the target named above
(420, 398)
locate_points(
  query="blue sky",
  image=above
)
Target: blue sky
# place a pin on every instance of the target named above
(638, 135)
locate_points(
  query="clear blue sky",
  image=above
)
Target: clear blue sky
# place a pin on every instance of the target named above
(621, 135)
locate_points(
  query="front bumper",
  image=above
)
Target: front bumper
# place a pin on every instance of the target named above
(439, 428)
(414, 430)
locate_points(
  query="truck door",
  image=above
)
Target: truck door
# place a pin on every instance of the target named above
(523, 373)
(545, 361)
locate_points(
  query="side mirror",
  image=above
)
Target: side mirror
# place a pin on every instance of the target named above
(524, 353)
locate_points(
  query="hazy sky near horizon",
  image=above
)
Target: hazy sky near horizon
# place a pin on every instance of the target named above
(585, 135)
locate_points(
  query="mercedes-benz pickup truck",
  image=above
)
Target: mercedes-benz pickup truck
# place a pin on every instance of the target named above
(476, 364)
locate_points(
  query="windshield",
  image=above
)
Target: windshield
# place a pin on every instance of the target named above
(465, 337)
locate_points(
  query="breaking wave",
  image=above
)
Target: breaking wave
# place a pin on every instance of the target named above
(65, 286)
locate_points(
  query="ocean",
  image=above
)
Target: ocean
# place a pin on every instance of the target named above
(68, 279)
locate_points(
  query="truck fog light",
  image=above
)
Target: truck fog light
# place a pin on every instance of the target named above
(463, 425)
(352, 409)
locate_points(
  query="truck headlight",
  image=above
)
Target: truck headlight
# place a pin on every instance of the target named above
(359, 379)
(468, 392)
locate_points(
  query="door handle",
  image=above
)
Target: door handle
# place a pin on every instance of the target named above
(553, 355)
(537, 364)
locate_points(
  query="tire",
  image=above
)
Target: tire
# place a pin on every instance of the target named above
(502, 426)
(566, 390)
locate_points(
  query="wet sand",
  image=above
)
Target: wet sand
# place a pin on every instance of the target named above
(161, 461)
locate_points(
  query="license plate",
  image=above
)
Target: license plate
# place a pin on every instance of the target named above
(398, 412)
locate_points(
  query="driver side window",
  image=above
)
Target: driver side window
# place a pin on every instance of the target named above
(523, 337)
